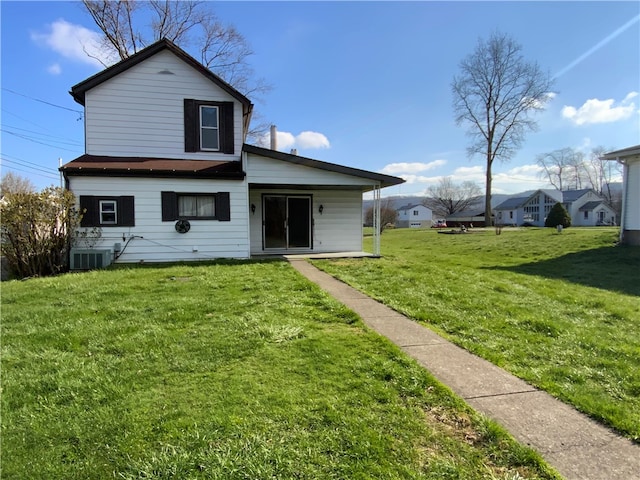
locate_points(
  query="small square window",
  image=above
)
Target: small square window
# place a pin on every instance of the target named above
(108, 212)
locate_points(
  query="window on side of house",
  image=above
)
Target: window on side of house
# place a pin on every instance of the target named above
(586, 214)
(107, 211)
(208, 126)
(195, 206)
(416, 213)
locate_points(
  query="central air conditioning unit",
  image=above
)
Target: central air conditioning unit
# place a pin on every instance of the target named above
(89, 259)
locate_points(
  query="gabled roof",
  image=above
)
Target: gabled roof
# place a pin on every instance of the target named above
(78, 91)
(569, 196)
(410, 206)
(511, 203)
(590, 205)
(98, 165)
(384, 180)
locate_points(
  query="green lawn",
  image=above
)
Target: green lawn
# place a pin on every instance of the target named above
(231, 370)
(561, 311)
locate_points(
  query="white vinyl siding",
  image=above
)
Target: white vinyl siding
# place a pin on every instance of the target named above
(337, 229)
(266, 170)
(140, 113)
(161, 242)
(632, 201)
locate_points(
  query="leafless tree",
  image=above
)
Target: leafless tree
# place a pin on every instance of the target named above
(447, 198)
(569, 168)
(13, 183)
(494, 95)
(128, 26)
(560, 166)
(388, 214)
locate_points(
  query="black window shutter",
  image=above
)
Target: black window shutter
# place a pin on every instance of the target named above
(223, 207)
(89, 210)
(226, 130)
(126, 213)
(169, 206)
(191, 125)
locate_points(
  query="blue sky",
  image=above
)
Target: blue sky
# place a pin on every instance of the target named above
(363, 84)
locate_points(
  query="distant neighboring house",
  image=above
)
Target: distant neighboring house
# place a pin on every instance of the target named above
(167, 175)
(630, 218)
(527, 210)
(414, 216)
(585, 207)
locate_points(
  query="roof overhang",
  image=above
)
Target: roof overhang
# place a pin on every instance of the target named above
(630, 153)
(105, 166)
(377, 179)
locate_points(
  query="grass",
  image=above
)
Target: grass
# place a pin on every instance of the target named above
(561, 311)
(231, 370)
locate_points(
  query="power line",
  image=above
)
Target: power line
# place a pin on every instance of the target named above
(18, 159)
(25, 137)
(26, 165)
(45, 175)
(42, 101)
(54, 137)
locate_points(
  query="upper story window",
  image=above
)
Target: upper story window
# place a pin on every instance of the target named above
(208, 126)
(209, 131)
(416, 212)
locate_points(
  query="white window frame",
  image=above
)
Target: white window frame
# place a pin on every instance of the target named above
(203, 127)
(104, 212)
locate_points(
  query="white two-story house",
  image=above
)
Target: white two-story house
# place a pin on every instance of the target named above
(414, 216)
(167, 175)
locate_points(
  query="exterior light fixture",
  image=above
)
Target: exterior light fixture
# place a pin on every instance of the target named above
(321, 209)
(253, 208)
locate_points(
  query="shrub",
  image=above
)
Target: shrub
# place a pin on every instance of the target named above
(37, 231)
(558, 216)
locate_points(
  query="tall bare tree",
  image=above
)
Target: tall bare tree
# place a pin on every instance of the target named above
(494, 95)
(447, 198)
(560, 167)
(128, 26)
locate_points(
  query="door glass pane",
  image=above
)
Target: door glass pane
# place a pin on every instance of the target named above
(299, 222)
(275, 234)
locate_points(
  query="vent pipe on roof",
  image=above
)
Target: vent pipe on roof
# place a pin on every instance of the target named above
(274, 140)
(294, 151)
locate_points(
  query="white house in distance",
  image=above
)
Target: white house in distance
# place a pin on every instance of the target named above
(414, 216)
(585, 207)
(630, 218)
(167, 175)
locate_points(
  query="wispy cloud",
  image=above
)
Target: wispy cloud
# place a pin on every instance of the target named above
(597, 46)
(411, 168)
(601, 111)
(54, 69)
(74, 42)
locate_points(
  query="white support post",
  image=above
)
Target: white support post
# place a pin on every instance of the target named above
(376, 220)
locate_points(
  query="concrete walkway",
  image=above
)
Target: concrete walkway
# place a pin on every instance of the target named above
(574, 445)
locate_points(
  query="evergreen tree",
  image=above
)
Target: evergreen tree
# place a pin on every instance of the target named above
(558, 216)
